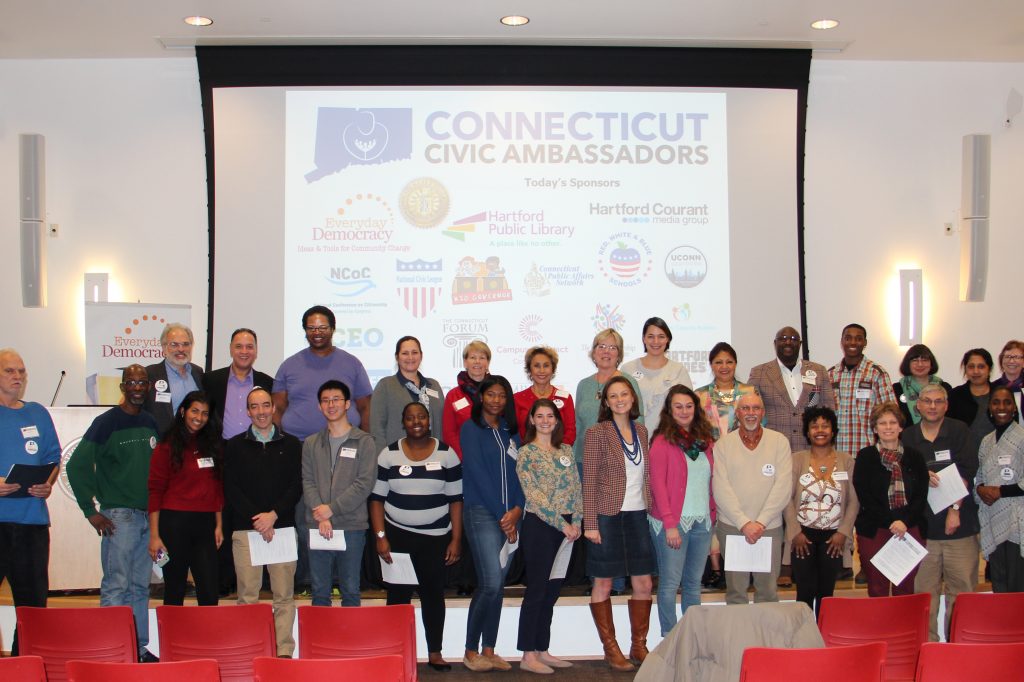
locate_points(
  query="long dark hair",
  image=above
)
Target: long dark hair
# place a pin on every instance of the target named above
(531, 431)
(477, 414)
(207, 440)
(700, 428)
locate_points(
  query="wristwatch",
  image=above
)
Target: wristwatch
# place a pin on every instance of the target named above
(380, 534)
(955, 506)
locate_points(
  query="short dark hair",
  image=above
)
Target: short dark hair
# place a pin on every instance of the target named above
(854, 325)
(319, 310)
(816, 412)
(918, 350)
(721, 347)
(477, 413)
(604, 413)
(660, 324)
(253, 390)
(243, 330)
(334, 385)
(414, 403)
(981, 353)
(531, 431)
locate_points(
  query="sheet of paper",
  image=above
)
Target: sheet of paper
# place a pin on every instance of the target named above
(335, 544)
(742, 556)
(279, 550)
(561, 565)
(399, 571)
(898, 557)
(507, 550)
(950, 489)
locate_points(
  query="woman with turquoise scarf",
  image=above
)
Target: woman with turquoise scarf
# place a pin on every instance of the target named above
(919, 368)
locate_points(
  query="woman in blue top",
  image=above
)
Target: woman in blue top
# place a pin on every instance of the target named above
(493, 505)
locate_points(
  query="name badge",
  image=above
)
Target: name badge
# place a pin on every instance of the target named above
(432, 393)
(347, 453)
(559, 393)
(405, 470)
(559, 403)
(29, 432)
(461, 403)
(205, 462)
(163, 397)
(512, 451)
(152, 442)
(942, 456)
(903, 398)
(808, 379)
(1006, 474)
(806, 479)
(31, 447)
(863, 394)
(638, 374)
(433, 466)
(565, 461)
(840, 475)
(160, 386)
(1003, 460)
(768, 470)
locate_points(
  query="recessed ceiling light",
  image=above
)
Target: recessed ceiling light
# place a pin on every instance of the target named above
(824, 24)
(198, 21)
(515, 20)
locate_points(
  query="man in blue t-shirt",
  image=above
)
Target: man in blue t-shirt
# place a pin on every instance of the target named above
(27, 436)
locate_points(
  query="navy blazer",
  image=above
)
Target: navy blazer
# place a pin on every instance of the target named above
(162, 412)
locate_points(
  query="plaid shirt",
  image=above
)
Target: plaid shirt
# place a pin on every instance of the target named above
(854, 413)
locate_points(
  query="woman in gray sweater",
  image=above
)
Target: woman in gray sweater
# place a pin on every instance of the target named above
(393, 393)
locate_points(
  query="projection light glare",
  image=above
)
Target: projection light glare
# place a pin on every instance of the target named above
(824, 24)
(198, 21)
(911, 302)
(515, 20)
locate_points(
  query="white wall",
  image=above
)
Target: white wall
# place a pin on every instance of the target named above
(126, 182)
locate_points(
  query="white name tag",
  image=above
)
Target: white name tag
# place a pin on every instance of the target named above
(31, 447)
(942, 456)
(348, 453)
(806, 479)
(461, 403)
(559, 393)
(863, 394)
(768, 470)
(160, 386)
(1006, 474)
(433, 466)
(432, 393)
(512, 451)
(29, 432)
(163, 397)
(840, 475)
(205, 462)
(1003, 460)
(559, 403)
(405, 470)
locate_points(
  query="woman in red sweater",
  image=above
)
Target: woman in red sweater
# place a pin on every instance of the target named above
(186, 495)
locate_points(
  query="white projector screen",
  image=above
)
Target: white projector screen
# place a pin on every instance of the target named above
(519, 216)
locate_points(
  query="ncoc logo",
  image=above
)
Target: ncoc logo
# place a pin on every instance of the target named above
(361, 137)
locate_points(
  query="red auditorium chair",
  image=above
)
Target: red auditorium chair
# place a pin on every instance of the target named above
(22, 669)
(962, 662)
(59, 635)
(901, 622)
(987, 618)
(326, 632)
(369, 669)
(855, 663)
(201, 670)
(231, 635)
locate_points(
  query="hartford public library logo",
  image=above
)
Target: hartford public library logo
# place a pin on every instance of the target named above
(359, 137)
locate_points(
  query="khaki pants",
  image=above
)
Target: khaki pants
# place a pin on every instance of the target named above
(282, 577)
(953, 563)
(736, 583)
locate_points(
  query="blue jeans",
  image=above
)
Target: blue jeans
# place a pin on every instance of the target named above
(324, 564)
(485, 541)
(680, 567)
(127, 566)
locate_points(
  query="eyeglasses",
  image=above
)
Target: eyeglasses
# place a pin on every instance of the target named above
(321, 329)
(179, 345)
(750, 408)
(932, 401)
(607, 346)
(136, 383)
(788, 337)
(1013, 357)
(331, 401)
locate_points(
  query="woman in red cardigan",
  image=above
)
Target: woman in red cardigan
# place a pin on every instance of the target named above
(186, 495)
(682, 507)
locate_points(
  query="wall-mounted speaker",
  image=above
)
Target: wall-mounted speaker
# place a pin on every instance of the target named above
(975, 184)
(32, 214)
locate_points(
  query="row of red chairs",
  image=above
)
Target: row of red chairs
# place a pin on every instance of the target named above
(233, 636)
(265, 669)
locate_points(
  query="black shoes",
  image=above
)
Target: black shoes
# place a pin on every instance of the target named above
(146, 657)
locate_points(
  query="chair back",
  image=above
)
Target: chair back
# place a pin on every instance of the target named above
(987, 618)
(59, 635)
(326, 632)
(941, 662)
(901, 622)
(369, 669)
(201, 670)
(233, 635)
(856, 663)
(22, 669)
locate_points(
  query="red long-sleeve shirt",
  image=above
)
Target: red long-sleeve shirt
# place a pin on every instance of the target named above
(190, 488)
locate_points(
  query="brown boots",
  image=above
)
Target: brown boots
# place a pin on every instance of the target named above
(639, 623)
(639, 620)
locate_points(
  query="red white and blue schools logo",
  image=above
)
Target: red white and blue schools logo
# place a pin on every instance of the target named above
(419, 285)
(625, 259)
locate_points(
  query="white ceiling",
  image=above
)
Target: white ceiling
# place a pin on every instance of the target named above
(950, 30)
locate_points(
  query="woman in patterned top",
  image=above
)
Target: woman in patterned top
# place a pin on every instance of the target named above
(719, 398)
(918, 369)
(819, 518)
(554, 515)
(416, 507)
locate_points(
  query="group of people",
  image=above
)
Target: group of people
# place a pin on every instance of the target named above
(655, 475)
